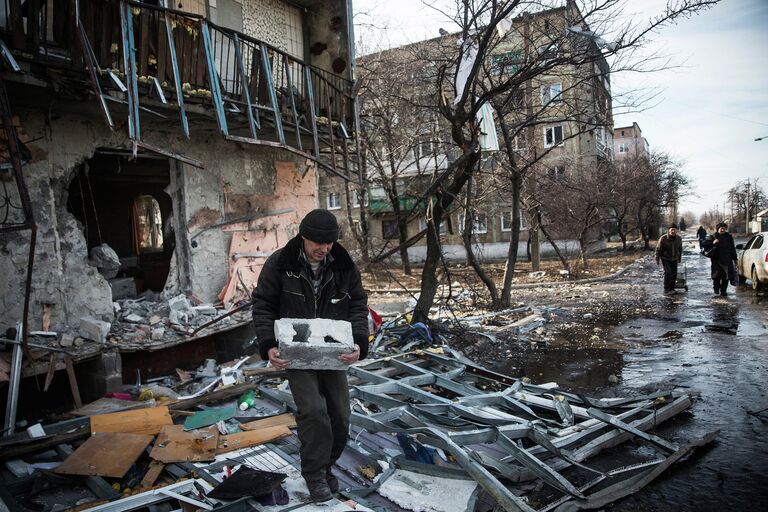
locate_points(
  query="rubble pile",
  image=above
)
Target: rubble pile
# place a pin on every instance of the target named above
(425, 419)
(149, 318)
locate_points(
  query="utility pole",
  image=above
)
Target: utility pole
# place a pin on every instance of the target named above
(746, 222)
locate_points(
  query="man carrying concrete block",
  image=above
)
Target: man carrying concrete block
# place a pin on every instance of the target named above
(313, 277)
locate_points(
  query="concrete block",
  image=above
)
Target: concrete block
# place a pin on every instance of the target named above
(67, 340)
(314, 344)
(158, 333)
(179, 303)
(205, 309)
(106, 260)
(123, 288)
(134, 318)
(36, 430)
(93, 329)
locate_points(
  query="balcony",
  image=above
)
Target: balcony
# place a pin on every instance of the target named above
(145, 61)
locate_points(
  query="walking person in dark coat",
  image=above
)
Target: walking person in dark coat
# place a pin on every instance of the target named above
(723, 257)
(314, 277)
(669, 252)
(701, 234)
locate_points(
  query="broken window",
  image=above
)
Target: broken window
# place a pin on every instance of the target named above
(148, 224)
(551, 93)
(553, 136)
(556, 173)
(389, 230)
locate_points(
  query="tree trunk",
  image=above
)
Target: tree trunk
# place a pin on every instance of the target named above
(509, 268)
(402, 228)
(583, 249)
(465, 165)
(429, 273)
(466, 237)
(551, 241)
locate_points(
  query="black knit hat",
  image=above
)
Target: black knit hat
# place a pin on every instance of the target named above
(672, 226)
(722, 225)
(320, 226)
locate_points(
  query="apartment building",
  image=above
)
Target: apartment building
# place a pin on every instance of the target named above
(628, 142)
(571, 131)
(161, 147)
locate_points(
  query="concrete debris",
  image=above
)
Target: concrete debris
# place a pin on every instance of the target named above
(157, 333)
(207, 370)
(179, 303)
(134, 318)
(205, 309)
(123, 288)
(67, 340)
(314, 343)
(105, 259)
(93, 329)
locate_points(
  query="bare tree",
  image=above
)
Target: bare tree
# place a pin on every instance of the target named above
(467, 79)
(747, 198)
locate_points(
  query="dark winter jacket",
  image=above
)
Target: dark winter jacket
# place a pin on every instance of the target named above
(669, 249)
(701, 233)
(725, 249)
(284, 290)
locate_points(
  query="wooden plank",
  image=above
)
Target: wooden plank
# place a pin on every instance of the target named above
(109, 454)
(176, 445)
(51, 372)
(153, 473)
(250, 438)
(143, 49)
(286, 420)
(162, 53)
(105, 19)
(139, 421)
(10, 452)
(106, 405)
(73, 382)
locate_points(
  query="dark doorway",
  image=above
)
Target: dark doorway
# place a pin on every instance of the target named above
(122, 203)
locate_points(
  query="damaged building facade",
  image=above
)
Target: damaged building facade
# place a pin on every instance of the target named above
(166, 152)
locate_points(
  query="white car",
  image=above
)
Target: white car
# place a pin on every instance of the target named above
(753, 260)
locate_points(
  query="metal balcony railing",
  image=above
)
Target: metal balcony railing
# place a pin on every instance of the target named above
(140, 54)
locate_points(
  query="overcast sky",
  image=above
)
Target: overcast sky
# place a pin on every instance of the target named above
(709, 109)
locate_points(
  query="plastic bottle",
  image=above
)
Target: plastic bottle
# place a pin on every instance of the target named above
(247, 400)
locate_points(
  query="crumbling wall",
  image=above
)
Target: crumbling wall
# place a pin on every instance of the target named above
(63, 277)
(259, 196)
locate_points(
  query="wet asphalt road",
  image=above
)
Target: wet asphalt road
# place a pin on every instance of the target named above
(716, 347)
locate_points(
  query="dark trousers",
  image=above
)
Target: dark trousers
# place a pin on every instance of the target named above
(720, 284)
(720, 277)
(670, 274)
(322, 421)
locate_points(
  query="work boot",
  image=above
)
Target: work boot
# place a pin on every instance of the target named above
(333, 482)
(318, 490)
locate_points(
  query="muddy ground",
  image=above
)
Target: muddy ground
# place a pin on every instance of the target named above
(621, 337)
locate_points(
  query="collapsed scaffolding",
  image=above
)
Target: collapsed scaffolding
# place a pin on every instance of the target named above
(428, 427)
